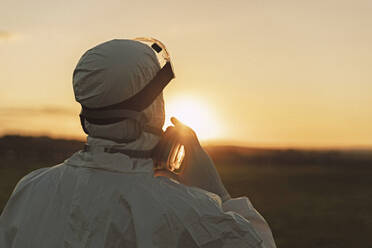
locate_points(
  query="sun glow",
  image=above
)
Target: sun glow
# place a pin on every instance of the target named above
(194, 113)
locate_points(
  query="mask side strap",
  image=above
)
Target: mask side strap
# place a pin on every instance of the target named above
(82, 122)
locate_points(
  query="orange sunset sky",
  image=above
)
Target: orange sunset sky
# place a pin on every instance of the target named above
(256, 72)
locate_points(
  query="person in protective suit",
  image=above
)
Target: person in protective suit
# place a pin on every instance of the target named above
(115, 192)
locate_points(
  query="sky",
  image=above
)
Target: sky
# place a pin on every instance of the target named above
(265, 73)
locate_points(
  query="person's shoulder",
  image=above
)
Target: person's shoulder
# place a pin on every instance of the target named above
(35, 176)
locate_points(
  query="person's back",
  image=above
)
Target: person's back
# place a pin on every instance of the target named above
(105, 196)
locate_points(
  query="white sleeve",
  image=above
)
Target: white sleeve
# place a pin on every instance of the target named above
(244, 207)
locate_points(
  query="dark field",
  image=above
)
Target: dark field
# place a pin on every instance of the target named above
(310, 198)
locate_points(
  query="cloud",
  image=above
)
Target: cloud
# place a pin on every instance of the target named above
(5, 35)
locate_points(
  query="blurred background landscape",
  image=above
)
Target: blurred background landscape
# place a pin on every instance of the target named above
(311, 198)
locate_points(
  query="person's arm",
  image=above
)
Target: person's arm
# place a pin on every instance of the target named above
(244, 207)
(199, 171)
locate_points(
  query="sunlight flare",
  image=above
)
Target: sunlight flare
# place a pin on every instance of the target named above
(194, 113)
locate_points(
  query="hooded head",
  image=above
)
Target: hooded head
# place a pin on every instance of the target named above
(113, 72)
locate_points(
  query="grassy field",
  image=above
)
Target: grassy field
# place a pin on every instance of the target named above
(308, 206)
(310, 198)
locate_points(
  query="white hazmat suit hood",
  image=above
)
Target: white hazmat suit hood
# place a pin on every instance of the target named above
(111, 73)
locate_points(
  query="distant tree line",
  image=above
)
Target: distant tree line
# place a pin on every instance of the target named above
(22, 150)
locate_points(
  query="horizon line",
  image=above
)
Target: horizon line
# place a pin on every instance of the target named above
(216, 142)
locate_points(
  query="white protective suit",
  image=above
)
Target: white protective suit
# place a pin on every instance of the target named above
(97, 199)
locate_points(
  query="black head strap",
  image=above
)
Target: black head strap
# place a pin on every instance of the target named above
(147, 95)
(113, 114)
(131, 107)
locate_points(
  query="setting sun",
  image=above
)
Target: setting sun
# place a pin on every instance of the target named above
(194, 113)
